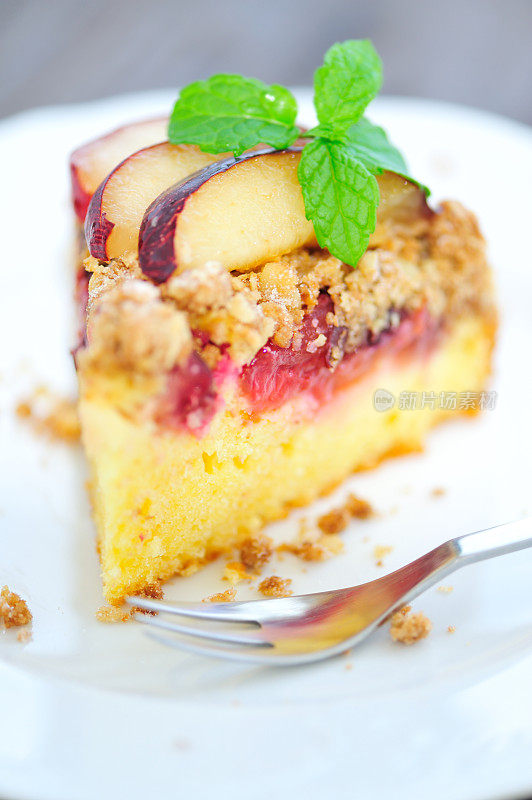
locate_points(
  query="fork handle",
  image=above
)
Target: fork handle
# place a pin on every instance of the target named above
(494, 541)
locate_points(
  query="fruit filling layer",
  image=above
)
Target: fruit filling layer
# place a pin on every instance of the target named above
(320, 365)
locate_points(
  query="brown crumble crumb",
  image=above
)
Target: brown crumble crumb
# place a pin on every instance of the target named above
(438, 491)
(359, 508)
(24, 635)
(451, 629)
(235, 572)
(110, 614)
(50, 415)
(408, 628)
(256, 551)
(334, 521)
(337, 520)
(14, 611)
(349, 666)
(445, 589)
(379, 552)
(275, 587)
(321, 549)
(221, 597)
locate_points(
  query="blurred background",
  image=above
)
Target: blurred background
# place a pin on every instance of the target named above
(477, 52)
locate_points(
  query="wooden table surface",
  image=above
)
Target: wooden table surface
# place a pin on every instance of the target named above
(477, 52)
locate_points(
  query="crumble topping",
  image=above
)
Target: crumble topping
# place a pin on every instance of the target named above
(275, 587)
(407, 627)
(219, 307)
(451, 629)
(221, 597)
(434, 261)
(14, 611)
(131, 328)
(50, 415)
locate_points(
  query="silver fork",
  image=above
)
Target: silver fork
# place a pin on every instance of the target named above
(312, 627)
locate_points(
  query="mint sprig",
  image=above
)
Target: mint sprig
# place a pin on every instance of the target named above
(344, 151)
(350, 78)
(232, 113)
(341, 197)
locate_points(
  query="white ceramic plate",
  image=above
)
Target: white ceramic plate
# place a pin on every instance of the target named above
(88, 710)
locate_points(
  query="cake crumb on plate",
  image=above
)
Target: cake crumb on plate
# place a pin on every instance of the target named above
(338, 519)
(275, 587)
(256, 551)
(379, 552)
(14, 611)
(407, 627)
(221, 597)
(235, 572)
(110, 614)
(50, 415)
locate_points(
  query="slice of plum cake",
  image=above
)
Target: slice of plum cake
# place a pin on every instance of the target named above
(228, 366)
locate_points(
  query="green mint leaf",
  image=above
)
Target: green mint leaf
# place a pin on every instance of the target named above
(372, 147)
(349, 79)
(341, 198)
(232, 113)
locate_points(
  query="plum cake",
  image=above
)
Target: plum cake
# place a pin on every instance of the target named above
(229, 363)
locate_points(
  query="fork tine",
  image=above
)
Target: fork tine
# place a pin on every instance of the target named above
(228, 612)
(250, 655)
(202, 633)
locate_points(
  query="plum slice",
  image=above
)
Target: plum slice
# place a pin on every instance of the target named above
(118, 205)
(242, 212)
(90, 163)
(239, 212)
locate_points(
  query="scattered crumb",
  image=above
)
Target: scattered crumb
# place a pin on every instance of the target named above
(320, 549)
(110, 614)
(14, 611)
(338, 519)
(334, 521)
(408, 628)
(235, 572)
(24, 635)
(349, 666)
(445, 589)
(256, 552)
(221, 597)
(451, 629)
(275, 587)
(379, 552)
(50, 415)
(438, 491)
(359, 508)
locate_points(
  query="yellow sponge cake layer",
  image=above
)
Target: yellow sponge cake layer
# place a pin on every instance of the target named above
(166, 501)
